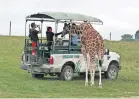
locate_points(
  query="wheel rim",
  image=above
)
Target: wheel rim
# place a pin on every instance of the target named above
(112, 73)
(68, 74)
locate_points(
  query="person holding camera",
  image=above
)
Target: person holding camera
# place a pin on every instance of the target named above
(35, 29)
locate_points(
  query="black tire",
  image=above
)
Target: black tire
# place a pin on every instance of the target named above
(38, 76)
(66, 73)
(112, 69)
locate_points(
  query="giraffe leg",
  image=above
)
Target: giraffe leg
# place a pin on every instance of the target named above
(87, 67)
(92, 75)
(86, 76)
(100, 82)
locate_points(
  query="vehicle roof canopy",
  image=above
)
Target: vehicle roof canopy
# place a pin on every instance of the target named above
(64, 16)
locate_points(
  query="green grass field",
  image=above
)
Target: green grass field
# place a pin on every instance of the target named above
(15, 82)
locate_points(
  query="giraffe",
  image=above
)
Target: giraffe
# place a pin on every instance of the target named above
(92, 45)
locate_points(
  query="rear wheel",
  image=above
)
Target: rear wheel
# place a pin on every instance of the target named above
(66, 73)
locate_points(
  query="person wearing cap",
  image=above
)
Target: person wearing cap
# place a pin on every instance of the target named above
(49, 36)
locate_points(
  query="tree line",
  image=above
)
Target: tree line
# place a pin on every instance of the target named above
(129, 37)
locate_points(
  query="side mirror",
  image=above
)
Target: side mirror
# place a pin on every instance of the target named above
(106, 51)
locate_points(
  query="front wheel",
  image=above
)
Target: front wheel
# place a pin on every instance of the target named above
(66, 73)
(112, 72)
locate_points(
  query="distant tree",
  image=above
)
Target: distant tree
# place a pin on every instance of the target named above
(127, 37)
(137, 35)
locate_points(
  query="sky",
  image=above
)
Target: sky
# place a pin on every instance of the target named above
(119, 16)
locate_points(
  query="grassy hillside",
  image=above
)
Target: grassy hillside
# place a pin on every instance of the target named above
(15, 82)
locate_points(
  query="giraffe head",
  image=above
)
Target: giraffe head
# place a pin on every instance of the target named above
(66, 29)
(81, 30)
(73, 28)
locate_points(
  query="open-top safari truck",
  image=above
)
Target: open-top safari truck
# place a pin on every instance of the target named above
(63, 59)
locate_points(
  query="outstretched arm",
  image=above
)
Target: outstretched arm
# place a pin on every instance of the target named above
(56, 34)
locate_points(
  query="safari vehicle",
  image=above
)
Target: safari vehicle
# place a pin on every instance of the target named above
(63, 60)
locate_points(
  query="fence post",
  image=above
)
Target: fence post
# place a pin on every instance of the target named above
(10, 29)
(110, 36)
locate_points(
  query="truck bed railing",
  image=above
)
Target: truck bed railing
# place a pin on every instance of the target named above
(43, 53)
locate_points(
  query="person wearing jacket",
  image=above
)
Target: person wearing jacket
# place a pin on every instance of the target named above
(34, 36)
(49, 36)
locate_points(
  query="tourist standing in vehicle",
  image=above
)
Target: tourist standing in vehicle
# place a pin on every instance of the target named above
(74, 36)
(74, 39)
(35, 29)
(49, 36)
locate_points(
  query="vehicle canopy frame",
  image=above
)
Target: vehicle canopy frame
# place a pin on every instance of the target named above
(61, 17)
